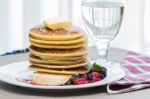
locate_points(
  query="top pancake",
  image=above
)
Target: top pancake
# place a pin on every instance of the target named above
(44, 33)
(75, 41)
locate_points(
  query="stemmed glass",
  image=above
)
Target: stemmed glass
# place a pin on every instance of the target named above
(102, 20)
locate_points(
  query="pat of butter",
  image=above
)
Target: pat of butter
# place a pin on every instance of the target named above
(55, 23)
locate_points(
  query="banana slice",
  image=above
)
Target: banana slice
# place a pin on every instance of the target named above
(55, 24)
(50, 79)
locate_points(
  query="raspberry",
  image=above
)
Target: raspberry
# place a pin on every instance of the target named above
(96, 75)
(79, 81)
(96, 79)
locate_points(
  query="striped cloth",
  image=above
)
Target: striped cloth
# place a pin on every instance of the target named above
(137, 68)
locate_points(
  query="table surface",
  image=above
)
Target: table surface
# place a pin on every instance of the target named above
(13, 92)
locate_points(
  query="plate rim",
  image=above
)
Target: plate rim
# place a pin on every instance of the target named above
(68, 87)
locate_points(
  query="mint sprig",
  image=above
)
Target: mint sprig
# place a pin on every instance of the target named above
(96, 67)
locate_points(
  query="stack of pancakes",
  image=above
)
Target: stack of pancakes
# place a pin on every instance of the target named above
(61, 51)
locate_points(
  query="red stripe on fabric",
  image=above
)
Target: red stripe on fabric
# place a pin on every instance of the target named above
(146, 59)
(132, 79)
(132, 53)
(132, 69)
(145, 68)
(132, 60)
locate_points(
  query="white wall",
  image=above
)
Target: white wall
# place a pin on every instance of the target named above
(131, 33)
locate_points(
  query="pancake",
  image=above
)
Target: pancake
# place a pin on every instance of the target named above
(36, 59)
(57, 52)
(65, 58)
(70, 46)
(60, 66)
(44, 33)
(81, 70)
(75, 41)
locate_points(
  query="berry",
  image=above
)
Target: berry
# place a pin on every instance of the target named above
(74, 76)
(96, 74)
(90, 77)
(79, 81)
(96, 79)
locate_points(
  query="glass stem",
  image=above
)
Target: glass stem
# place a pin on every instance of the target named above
(103, 46)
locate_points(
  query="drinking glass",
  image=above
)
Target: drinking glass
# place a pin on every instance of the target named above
(102, 20)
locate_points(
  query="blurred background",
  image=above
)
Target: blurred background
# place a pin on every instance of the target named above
(18, 16)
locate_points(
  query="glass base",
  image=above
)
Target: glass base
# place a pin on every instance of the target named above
(102, 46)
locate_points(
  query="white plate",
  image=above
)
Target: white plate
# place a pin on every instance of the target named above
(10, 72)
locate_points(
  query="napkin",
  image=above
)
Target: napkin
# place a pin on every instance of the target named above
(25, 50)
(137, 69)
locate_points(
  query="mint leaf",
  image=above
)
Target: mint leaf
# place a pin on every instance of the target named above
(96, 67)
